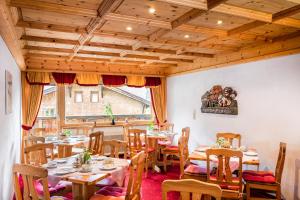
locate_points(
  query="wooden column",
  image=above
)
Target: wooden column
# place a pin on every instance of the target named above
(60, 106)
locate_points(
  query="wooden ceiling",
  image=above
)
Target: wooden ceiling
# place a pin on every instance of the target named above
(123, 37)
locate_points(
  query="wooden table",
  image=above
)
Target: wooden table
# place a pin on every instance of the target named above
(247, 160)
(154, 137)
(83, 184)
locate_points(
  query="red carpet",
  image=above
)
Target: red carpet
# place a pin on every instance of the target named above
(151, 186)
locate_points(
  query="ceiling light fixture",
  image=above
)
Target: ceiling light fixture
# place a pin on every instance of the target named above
(186, 36)
(152, 10)
(129, 28)
(219, 22)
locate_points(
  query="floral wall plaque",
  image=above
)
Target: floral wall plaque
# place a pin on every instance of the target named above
(220, 100)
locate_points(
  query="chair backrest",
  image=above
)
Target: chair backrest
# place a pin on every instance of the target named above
(186, 132)
(37, 154)
(96, 142)
(280, 162)
(31, 140)
(191, 189)
(230, 137)
(166, 127)
(116, 147)
(29, 175)
(64, 150)
(183, 152)
(136, 169)
(224, 173)
(137, 141)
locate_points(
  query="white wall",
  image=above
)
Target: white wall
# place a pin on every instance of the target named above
(269, 109)
(9, 123)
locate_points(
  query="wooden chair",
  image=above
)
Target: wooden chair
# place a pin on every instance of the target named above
(191, 189)
(133, 191)
(265, 180)
(64, 150)
(174, 150)
(232, 187)
(187, 170)
(137, 142)
(37, 154)
(230, 137)
(31, 140)
(116, 148)
(29, 174)
(96, 142)
(166, 127)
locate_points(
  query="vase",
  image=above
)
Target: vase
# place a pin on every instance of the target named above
(113, 122)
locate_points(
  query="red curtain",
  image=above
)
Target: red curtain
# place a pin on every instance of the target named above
(112, 80)
(64, 78)
(152, 81)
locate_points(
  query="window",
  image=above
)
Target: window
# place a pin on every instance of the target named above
(94, 97)
(78, 97)
(48, 110)
(125, 102)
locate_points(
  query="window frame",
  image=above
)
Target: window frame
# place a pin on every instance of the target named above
(75, 95)
(91, 96)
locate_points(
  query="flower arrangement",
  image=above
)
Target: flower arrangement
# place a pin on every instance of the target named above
(223, 143)
(86, 156)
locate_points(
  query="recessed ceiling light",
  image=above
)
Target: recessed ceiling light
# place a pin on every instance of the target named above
(129, 28)
(219, 22)
(186, 36)
(152, 10)
(102, 49)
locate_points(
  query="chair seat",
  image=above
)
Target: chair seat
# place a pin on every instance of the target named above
(268, 179)
(102, 197)
(171, 148)
(258, 173)
(52, 190)
(111, 191)
(195, 169)
(228, 186)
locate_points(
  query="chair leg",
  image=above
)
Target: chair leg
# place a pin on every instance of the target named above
(165, 162)
(278, 193)
(146, 166)
(248, 191)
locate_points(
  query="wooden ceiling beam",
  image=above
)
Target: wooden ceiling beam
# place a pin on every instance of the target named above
(240, 12)
(98, 53)
(294, 1)
(53, 7)
(105, 7)
(9, 35)
(245, 27)
(214, 3)
(257, 52)
(126, 48)
(286, 13)
(275, 17)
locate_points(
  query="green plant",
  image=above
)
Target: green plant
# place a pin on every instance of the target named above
(67, 132)
(108, 111)
(151, 126)
(86, 156)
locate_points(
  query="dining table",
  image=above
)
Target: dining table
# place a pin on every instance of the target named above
(83, 182)
(155, 136)
(250, 157)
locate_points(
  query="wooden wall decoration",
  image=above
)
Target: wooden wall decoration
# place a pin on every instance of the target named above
(220, 101)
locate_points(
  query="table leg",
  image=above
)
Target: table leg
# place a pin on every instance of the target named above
(82, 191)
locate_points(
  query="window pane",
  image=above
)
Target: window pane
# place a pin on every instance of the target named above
(47, 114)
(125, 102)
